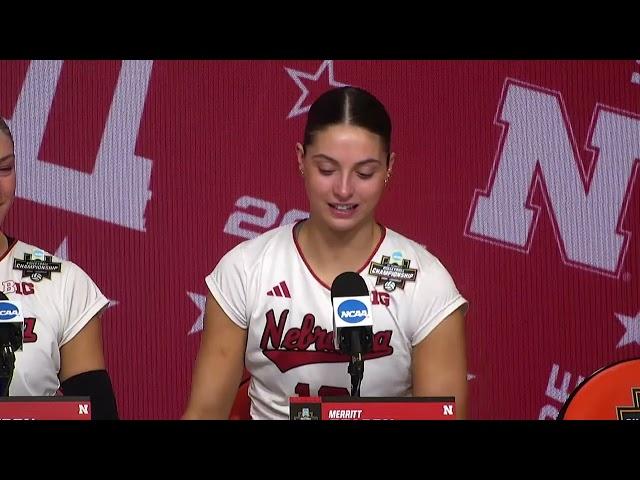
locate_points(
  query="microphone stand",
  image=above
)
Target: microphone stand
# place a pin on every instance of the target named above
(356, 370)
(359, 343)
(356, 364)
(7, 365)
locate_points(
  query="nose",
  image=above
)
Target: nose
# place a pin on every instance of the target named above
(343, 187)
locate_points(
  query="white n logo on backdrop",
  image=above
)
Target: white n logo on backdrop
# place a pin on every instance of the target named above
(538, 150)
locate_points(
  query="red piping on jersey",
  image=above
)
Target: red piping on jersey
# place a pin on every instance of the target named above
(360, 270)
(11, 243)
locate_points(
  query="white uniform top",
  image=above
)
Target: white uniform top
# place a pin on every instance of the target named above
(265, 285)
(55, 310)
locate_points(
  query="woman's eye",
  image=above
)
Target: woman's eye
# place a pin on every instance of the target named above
(365, 175)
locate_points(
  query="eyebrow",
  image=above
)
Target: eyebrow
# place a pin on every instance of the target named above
(322, 156)
(6, 157)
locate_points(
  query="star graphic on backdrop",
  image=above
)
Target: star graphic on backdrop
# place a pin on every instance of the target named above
(296, 75)
(632, 327)
(200, 301)
(63, 252)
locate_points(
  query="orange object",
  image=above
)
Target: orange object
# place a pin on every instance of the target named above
(610, 393)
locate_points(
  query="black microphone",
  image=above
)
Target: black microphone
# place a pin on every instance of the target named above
(11, 333)
(352, 323)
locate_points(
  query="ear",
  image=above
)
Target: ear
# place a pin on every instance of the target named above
(392, 159)
(300, 155)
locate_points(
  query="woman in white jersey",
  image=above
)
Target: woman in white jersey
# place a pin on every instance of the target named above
(62, 338)
(269, 302)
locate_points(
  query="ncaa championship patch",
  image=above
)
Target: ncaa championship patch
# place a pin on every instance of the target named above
(38, 267)
(393, 271)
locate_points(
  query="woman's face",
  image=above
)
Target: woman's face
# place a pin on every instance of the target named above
(344, 171)
(7, 175)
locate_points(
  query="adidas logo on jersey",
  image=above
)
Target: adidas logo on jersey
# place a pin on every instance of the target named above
(279, 290)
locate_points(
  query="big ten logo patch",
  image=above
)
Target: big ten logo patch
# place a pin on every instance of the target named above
(21, 288)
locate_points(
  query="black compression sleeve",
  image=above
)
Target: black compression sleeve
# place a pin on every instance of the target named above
(97, 385)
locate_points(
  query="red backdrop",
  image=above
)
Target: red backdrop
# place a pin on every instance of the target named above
(518, 175)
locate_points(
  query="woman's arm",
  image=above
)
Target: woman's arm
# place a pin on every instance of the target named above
(440, 363)
(219, 366)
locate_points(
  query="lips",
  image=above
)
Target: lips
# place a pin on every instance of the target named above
(343, 207)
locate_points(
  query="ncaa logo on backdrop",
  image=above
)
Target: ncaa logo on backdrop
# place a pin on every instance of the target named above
(8, 311)
(353, 311)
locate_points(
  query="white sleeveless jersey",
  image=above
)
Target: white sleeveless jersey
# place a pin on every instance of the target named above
(264, 285)
(58, 298)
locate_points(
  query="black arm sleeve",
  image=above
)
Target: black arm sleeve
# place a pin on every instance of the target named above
(97, 385)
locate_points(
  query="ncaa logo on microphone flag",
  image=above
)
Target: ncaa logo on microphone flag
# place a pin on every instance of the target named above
(8, 311)
(353, 311)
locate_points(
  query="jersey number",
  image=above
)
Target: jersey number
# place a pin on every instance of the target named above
(28, 335)
(302, 390)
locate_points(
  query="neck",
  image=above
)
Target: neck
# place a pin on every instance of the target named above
(349, 249)
(4, 244)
